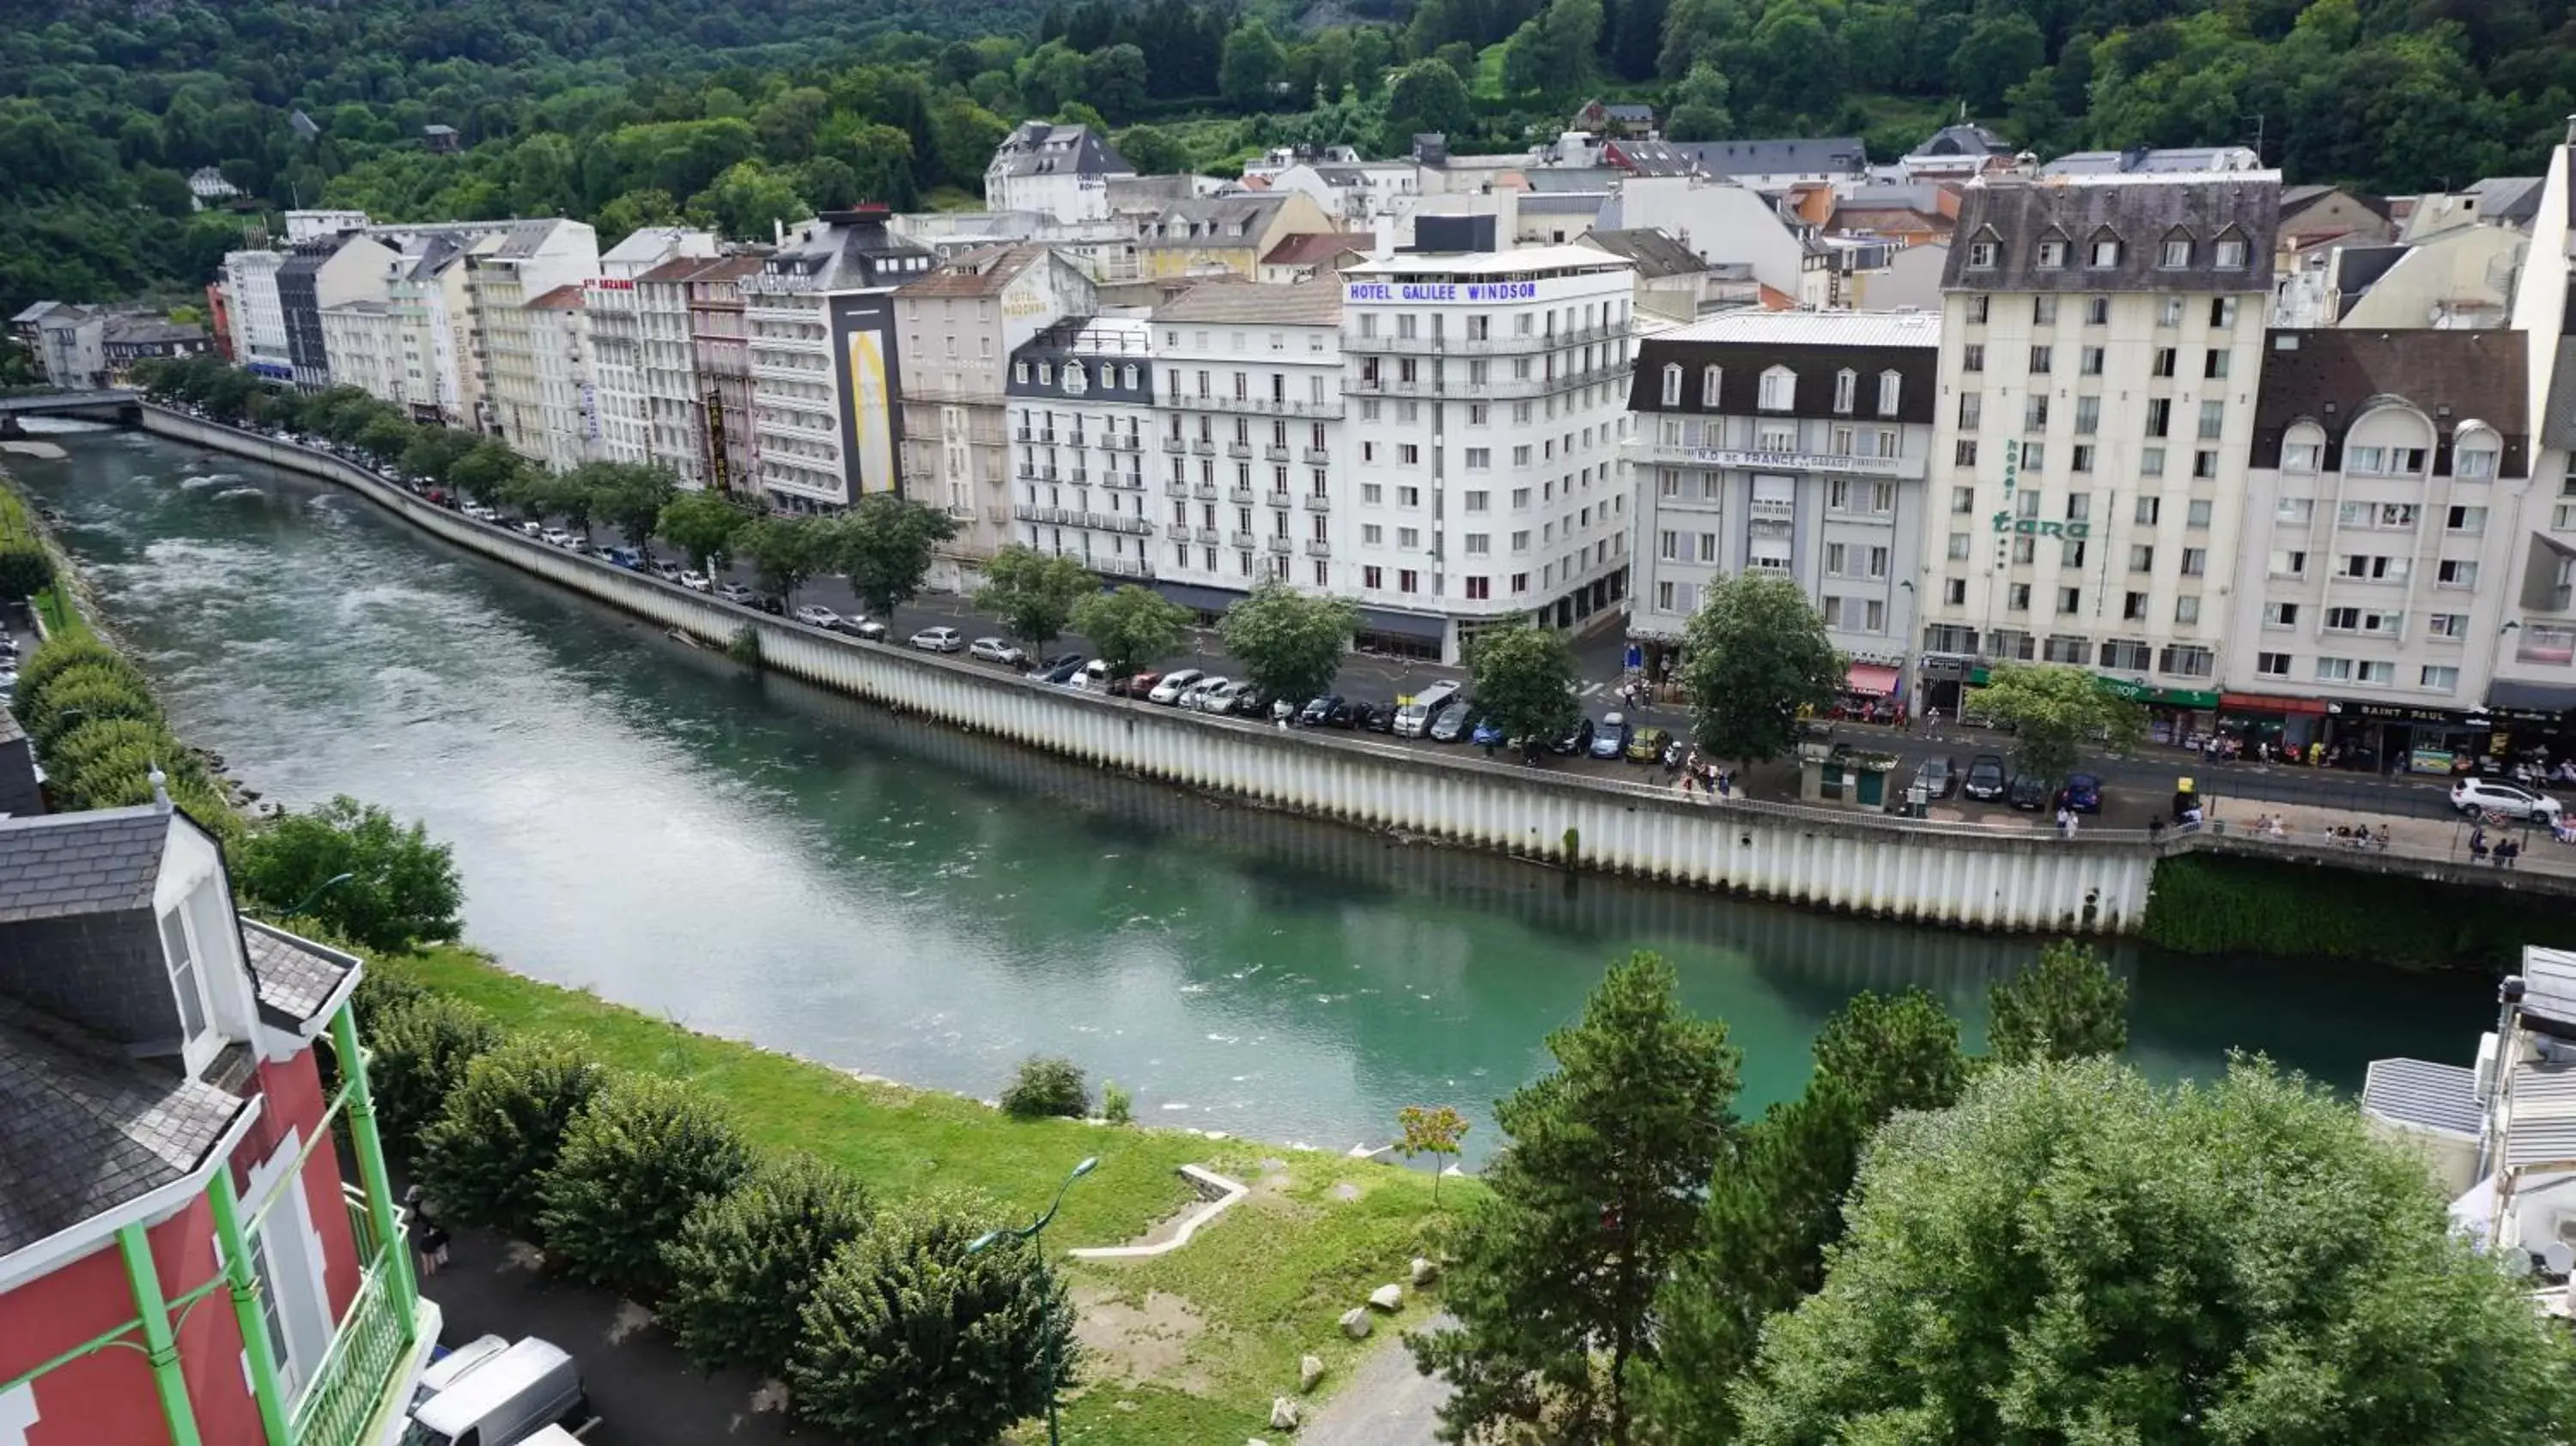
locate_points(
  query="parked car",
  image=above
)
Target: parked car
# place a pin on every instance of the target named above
(1326, 712)
(2485, 795)
(1578, 741)
(1135, 685)
(2084, 793)
(938, 640)
(1234, 696)
(1939, 776)
(1610, 738)
(1647, 745)
(1055, 670)
(1373, 717)
(1451, 724)
(868, 628)
(481, 513)
(1414, 719)
(734, 592)
(536, 530)
(2028, 791)
(499, 1398)
(557, 537)
(1985, 778)
(998, 650)
(815, 615)
(625, 557)
(1193, 696)
(694, 580)
(666, 570)
(1487, 734)
(1091, 677)
(1173, 684)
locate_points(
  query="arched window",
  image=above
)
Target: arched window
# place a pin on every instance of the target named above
(1890, 385)
(1710, 378)
(1076, 380)
(1672, 385)
(1779, 389)
(1130, 379)
(1846, 389)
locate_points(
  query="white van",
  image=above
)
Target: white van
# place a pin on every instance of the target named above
(498, 1398)
(1413, 720)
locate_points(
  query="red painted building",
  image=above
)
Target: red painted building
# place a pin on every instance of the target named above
(182, 1259)
(219, 319)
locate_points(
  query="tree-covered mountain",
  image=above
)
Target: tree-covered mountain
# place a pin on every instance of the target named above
(631, 111)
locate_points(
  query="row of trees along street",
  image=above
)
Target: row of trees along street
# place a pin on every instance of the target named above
(1757, 659)
(2035, 1244)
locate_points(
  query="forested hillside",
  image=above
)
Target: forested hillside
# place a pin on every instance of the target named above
(628, 111)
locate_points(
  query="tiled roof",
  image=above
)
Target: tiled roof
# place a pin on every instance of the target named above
(1307, 303)
(562, 298)
(85, 1128)
(1308, 247)
(1039, 148)
(678, 269)
(1829, 155)
(1656, 253)
(2140, 212)
(2418, 1092)
(977, 273)
(296, 976)
(87, 863)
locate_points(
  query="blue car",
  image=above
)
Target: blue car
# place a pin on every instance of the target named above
(1488, 734)
(1610, 740)
(2083, 793)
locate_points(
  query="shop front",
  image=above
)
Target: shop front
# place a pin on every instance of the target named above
(2534, 722)
(2182, 717)
(1873, 690)
(2264, 726)
(1945, 678)
(2398, 738)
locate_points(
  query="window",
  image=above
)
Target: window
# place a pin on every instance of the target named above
(1963, 452)
(1373, 494)
(2298, 456)
(2187, 608)
(2222, 312)
(2289, 564)
(1977, 309)
(2106, 253)
(1959, 544)
(2204, 464)
(2041, 359)
(2455, 572)
(1981, 256)
(2379, 674)
(2334, 670)
(2466, 519)
(1408, 496)
(2196, 514)
(2446, 625)
(2033, 456)
(1846, 389)
(184, 975)
(2187, 660)
(2213, 420)
(2195, 562)
(1834, 559)
(2159, 416)
(1374, 535)
(2025, 549)
(1972, 357)
(2272, 665)
(2231, 254)
(2170, 314)
(1779, 389)
(1373, 578)
(2133, 607)
(1971, 410)
(2166, 357)
(1954, 591)
(1408, 454)
(1479, 544)
(2129, 657)
(2439, 678)
(2142, 557)
(2070, 601)
(2151, 461)
(2473, 464)
(2027, 502)
(1019, 371)
(1890, 385)
(2295, 511)
(2017, 597)
(2083, 460)
(1963, 500)
(2175, 253)
(2034, 414)
(2052, 254)
(2213, 363)
(2092, 361)
(1480, 459)
(2088, 415)
(1672, 386)
(1407, 580)
(2043, 310)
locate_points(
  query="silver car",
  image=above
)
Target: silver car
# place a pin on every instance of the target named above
(938, 640)
(996, 650)
(1174, 684)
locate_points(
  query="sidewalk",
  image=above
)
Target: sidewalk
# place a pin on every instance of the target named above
(2415, 838)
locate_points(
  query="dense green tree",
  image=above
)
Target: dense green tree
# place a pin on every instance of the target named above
(629, 496)
(744, 1263)
(1523, 678)
(784, 553)
(1152, 151)
(1034, 593)
(2075, 1254)
(486, 1157)
(2053, 710)
(884, 546)
(2064, 1005)
(1699, 110)
(403, 889)
(704, 526)
(1585, 1214)
(487, 471)
(417, 1053)
(435, 451)
(1133, 628)
(644, 1153)
(1254, 67)
(1288, 643)
(1114, 79)
(1998, 52)
(1425, 96)
(750, 201)
(1755, 654)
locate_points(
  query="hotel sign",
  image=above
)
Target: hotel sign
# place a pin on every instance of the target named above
(2033, 527)
(1791, 462)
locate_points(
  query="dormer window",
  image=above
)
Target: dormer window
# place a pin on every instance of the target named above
(2052, 253)
(1779, 389)
(1046, 374)
(1076, 379)
(1672, 386)
(186, 979)
(1982, 255)
(2175, 254)
(2106, 252)
(1129, 379)
(1846, 389)
(2231, 253)
(1710, 379)
(1890, 384)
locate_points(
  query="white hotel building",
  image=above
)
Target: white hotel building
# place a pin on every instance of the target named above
(1086, 475)
(1488, 401)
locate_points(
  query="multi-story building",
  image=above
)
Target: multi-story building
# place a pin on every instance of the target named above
(1081, 416)
(364, 345)
(126, 340)
(1490, 396)
(1794, 443)
(720, 353)
(567, 432)
(825, 360)
(326, 270)
(1250, 431)
(65, 339)
(674, 400)
(958, 324)
(2101, 342)
(433, 324)
(1206, 235)
(259, 321)
(199, 1244)
(2533, 695)
(2387, 470)
(528, 260)
(614, 307)
(1058, 171)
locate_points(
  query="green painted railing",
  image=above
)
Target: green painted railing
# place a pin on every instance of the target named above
(350, 1386)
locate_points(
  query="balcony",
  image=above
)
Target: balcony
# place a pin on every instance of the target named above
(1239, 451)
(1274, 454)
(1318, 502)
(1482, 346)
(1258, 406)
(1204, 446)
(1176, 488)
(1127, 480)
(1318, 457)
(1028, 471)
(1278, 499)
(1204, 491)
(1177, 531)
(1318, 547)
(1175, 445)
(1208, 536)
(1023, 433)
(1641, 450)
(1120, 442)
(1239, 496)
(1120, 567)
(1774, 510)
(1280, 544)
(1239, 538)
(348, 1389)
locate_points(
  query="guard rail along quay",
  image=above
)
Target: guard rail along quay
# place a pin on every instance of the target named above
(1947, 873)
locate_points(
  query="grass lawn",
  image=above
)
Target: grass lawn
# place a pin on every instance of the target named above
(1185, 1349)
(62, 620)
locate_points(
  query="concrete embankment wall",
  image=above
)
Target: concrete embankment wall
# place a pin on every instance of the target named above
(1950, 874)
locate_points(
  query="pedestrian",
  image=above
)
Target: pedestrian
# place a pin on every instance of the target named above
(2478, 844)
(1932, 724)
(2506, 851)
(1725, 782)
(2065, 820)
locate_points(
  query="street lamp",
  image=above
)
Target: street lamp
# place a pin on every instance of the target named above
(1035, 1231)
(327, 885)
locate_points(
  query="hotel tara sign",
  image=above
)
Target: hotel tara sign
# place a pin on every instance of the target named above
(2034, 527)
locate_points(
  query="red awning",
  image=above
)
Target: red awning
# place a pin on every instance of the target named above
(2261, 703)
(1875, 680)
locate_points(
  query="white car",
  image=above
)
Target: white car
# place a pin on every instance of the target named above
(532, 529)
(734, 592)
(560, 538)
(996, 650)
(695, 581)
(1203, 692)
(480, 513)
(2479, 795)
(938, 640)
(1174, 684)
(865, 627)
(814, 615)
(1227, 697)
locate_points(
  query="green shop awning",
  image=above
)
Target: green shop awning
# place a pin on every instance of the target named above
(2139, 692)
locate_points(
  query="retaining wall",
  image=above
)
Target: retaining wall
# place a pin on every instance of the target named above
(1958, 874)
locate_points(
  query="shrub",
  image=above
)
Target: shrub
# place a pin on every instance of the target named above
(25, 570)
(62, 654)
(381, 991)
(909, 1340)
(403, 888)
(81, 696)
(745, 1262)
(418, 1053)
(1117, 1106)
(1046, 1085)
(641, 1155)
(486, 1155)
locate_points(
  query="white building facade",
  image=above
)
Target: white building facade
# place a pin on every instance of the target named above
(1082, 424)
(1057, 171)
(1791, 443)
(568, 429)
(824, 360)
(258, 321)
(2101, 342)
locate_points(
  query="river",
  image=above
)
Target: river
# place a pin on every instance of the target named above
(757, 858)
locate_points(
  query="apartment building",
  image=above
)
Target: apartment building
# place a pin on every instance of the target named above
(674, 394)
(1080, 397)
(332, 269)
(825, 360)
(529, 259)
(959, 324)
(434, 327)
(1252, 476)
(567, 431)
(613, 307)
(364, 345)
(2387, 469)
(2101, 343)
(259, 321)
(2532, 697)
(1058, 171)
(1490, 398)
(1794, 443)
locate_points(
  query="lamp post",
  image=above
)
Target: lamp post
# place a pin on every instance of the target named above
(326, 886)
(1035, 1231)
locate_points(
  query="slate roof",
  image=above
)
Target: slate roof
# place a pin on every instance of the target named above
(980, 273)
(2509, 200)
(1655, 253)
(1827, 155)
(1197, 220)
(85, 1128)
(297, 977)
(98, 862)
(1306, 303)
(2141, 211)
(1307, 248)
(1038, 148)
(1963, 140)
(2145, 160)
(2418, 1092)
(1653, 158)
(2330, 374)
